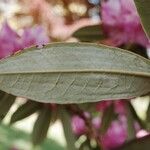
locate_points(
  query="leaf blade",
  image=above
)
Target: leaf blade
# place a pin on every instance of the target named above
(143, 10)
(137, 144)
(24, 111)
(66, 122)
(89, 33)
(5, 105)
(107, 118)
(75, 73)
(41, 126)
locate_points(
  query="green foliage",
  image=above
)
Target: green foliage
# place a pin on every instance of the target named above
(130, 123)
(11, 137)
(41, 125)
(66, 122)
(107, 118)
(25, 110)
(5, 104)
(91, 33)
(75, 73)
(148, 117)
(137, 144)
(135, 116)
(143, 7)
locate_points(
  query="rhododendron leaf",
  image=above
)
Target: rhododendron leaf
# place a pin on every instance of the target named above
(2, 95)
(130, 123)
(108, 116)
(143, 8)
(54, 116)
(10, 137)
(75, 73)
(137, 144)
(148, 117)
(41, 126)
(87, 106)
(87, 146)
(5, 104)
(25, 110)
(89, 33)
(136, 117)
(66, 122)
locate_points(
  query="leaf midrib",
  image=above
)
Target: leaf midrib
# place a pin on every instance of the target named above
(143, 74)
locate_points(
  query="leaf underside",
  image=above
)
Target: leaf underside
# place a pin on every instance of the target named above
(75, 73)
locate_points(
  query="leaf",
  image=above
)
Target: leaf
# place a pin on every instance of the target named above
(66, 122)
(138, 49)
(12, 138)
(5, 105)
(107, 118)
(25, 110)
(130, 123)
(2, 95)
(86, 145)
(148, 113)
(136, 117)
(41, 126)
(54, 116)
(75, 73)
(148, 117)
(89, 33)
(143, 7)
(87, 106)
(137, 144)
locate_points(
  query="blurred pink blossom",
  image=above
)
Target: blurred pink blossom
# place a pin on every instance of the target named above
(119, 106)
(34, 36)
(96, 122)
(78, 125)
(142, 133)
(121, 23)
(115, 135)
(10, 41)
(103, 105)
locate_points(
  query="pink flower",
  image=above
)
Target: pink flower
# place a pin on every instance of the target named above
(116, 134)
(103, 105)
(141, 133)
(78, 125)
(96, 122)
(34, 36)
(10, 41)
(121, 23)
(119, 106)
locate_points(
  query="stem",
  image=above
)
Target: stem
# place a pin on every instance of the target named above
(91, 131)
